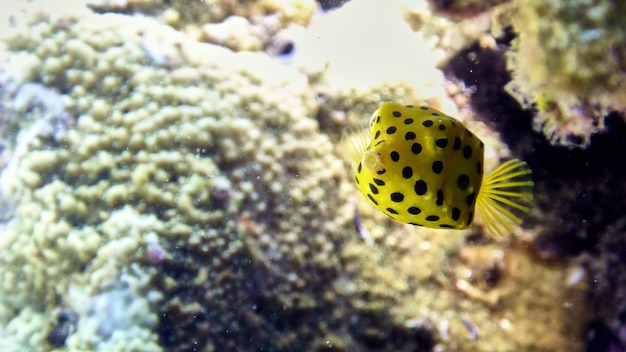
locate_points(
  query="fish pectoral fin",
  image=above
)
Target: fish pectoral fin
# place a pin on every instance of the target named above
(354, 143)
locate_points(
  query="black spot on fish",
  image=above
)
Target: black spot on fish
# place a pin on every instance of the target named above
(439, 197)
(396, 114)
(377, 134)
(467, 152)
(374, 189)
(457, 143)
(469, 200)
(397, 197)
(359, 168)
(456, 214)
(409, 136)
(408, 121)
(380, 172)
(392, 211)
(420, 187)
(407, 172)
(395, 156)
(379, 182)
(446, 226)
(463, 182)
(391, 130)
(442, 127)
(416, 148)
(432, 218)
(414, 210)
(372, 199)
(437, 166)
(442, 142)
(427, 123)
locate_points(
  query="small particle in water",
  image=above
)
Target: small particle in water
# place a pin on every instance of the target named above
(473, 330)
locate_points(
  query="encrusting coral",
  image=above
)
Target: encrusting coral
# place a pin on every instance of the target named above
(568, 63)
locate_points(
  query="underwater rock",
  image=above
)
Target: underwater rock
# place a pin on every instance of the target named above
(464, 8)
(572, 190)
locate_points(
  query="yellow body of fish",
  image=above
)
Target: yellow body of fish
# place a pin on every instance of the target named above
(423, 167)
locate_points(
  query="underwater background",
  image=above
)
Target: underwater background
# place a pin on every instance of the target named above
(172, 175)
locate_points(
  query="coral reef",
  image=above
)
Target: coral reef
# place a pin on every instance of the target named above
(160, 193)
(451, 26)
(567, 62)
(475, 296)
(579, 193)
(193, 16)
(172, 138)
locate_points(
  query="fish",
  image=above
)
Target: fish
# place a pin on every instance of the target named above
(422, 167)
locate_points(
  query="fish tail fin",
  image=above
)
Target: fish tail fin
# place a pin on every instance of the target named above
(353, 144)
(504, 197)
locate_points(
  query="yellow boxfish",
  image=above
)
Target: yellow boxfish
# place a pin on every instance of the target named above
(422, 167)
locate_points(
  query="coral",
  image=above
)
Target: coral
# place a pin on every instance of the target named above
(236, 33)
(169, 138)
(167, 194)
(190, 16)
(114, 319)
(472, 295)
(567, 62)
(449, 26)
(579, 194)
(178, 14)
(297, 12)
